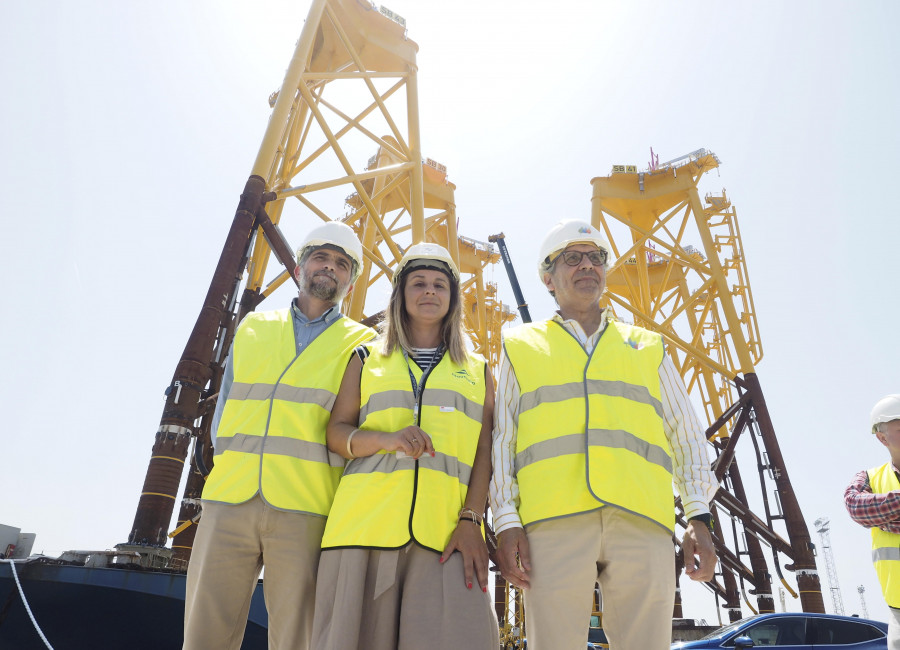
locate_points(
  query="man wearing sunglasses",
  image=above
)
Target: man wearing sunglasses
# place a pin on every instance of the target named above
(592, 426)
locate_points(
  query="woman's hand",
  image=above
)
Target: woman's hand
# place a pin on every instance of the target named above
(411, 440)
(468, 541)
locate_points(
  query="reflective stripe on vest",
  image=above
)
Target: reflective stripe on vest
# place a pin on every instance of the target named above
(886, 546)
(271, 438)
(281, 446)
(590, 429)
(384, 501)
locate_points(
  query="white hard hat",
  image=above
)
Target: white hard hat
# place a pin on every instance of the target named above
(566, 233)
(337, 234)
(426, 255)
(886, 409)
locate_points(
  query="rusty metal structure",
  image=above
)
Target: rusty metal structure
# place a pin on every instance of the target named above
(681, 271)
(352, 76)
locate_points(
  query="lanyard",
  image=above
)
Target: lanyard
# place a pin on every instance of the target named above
(419, 387)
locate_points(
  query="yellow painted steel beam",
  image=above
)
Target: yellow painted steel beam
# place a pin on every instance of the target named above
(697, 353)
(417, 180)
(278, 121)
(351, 178)
(383, 159)
(345, 163)
(354, 123)
(663, 282)
(352, 50)
(341, 40)
(727, 304)
(353, 74)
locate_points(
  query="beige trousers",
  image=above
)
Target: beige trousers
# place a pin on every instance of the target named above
(633, 560)
(893, 636)
(233, 543)
(400, 600)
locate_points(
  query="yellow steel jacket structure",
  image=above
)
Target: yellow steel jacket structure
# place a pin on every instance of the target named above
(384, 501)
(590, 429)
(886, 546)
(271, 438)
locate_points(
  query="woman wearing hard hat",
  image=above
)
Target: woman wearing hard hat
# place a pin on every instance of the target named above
(413, 416)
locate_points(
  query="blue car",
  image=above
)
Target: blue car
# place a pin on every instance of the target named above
(797, 631)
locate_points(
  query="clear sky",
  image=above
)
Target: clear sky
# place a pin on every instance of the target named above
(127, 131)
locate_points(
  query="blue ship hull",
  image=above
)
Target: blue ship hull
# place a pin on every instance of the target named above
(81, 608)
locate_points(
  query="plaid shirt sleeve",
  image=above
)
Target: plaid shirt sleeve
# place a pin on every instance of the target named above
(872, 510)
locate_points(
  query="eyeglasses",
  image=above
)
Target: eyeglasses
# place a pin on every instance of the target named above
(573, 258)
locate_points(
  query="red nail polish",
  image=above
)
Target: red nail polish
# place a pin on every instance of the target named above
(484, 589)
(469, 585)
(432, 454)
(442, 559)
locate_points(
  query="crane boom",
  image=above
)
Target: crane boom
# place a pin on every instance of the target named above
(500, 240)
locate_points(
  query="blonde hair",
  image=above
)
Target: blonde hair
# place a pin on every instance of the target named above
(394, 330)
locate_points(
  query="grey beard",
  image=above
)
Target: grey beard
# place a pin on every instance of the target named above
(323, 290)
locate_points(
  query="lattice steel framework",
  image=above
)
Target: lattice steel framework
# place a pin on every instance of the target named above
(823, 527)
(681, 271)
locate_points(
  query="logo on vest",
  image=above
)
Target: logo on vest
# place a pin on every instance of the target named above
(465, 376)
(635, 344)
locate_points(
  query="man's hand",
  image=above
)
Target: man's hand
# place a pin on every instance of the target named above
(513, 557)
(699, 552)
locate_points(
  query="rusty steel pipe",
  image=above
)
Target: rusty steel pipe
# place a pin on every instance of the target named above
(804, 561)
(277, 241)
(192, 374)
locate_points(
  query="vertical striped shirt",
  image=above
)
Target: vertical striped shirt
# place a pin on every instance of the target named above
(694, 480)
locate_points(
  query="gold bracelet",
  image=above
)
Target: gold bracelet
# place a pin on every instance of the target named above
(349, 440)
(476, 518)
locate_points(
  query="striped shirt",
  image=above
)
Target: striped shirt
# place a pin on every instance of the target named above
(872, 510)
(424, 357)
(694, 480)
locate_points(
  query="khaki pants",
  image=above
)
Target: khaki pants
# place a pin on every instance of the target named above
(233, 543)
(893, 635)
(633, 560)
(400, 600)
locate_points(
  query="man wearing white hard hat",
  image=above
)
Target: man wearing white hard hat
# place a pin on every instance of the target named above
(266, 499)
(873, 501)
(592, 426)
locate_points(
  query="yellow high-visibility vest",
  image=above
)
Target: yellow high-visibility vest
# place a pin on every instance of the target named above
(886, 546)
(590, 428)
(271, 437)
(384, 501)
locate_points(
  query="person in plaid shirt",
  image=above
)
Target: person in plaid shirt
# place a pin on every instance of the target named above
(873, 501)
